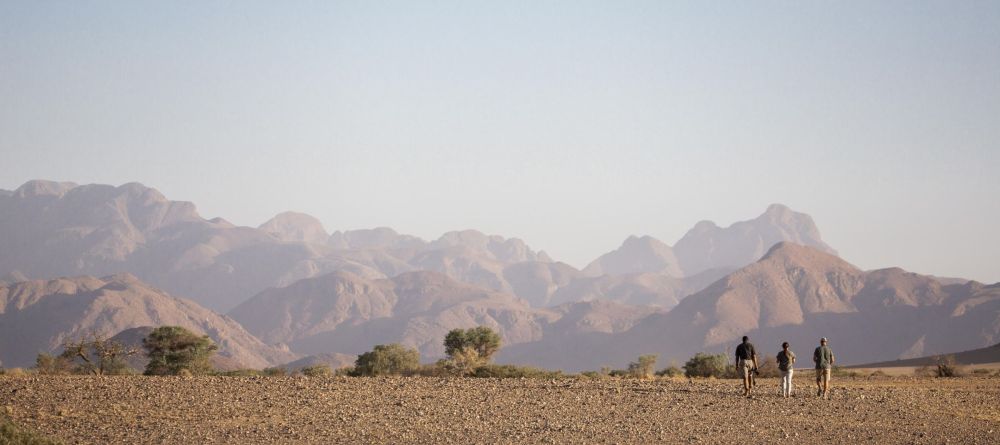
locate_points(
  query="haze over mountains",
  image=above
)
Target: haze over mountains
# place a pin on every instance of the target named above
(290, 282)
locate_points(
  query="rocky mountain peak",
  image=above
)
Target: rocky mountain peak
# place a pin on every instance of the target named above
(294, 226)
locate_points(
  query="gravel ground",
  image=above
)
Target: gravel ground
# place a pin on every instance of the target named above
(265, 410)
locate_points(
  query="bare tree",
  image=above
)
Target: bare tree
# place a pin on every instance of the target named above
(96, 354)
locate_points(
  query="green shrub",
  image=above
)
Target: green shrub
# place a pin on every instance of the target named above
(173, 348)
(513, 372)
(468, 349)
(317, 370)
(392, 359)
(708, 365)
(643, 367)
(14, 435)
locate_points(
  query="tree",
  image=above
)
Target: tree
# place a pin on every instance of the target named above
(388, 359)
(706, 365)
(97, 355)
(643, 367)
(483, 340)
(173, 348)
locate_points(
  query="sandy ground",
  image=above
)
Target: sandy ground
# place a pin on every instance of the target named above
(907, 371)
(136, 410)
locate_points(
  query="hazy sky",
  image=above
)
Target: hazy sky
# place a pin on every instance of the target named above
(569, 124)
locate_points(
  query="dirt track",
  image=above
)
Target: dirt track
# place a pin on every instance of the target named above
(137, 410)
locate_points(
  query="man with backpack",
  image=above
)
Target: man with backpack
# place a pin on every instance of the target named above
(746, 364)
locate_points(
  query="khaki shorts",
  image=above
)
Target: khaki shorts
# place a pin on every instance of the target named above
(745, 367)
(822, 375)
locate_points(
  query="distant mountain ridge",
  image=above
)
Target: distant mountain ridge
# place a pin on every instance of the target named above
(798, 294)
(51, 229)
(335, 295)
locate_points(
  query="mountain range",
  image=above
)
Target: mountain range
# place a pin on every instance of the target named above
(291, 288)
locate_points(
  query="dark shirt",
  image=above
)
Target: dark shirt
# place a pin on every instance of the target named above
(745, 351)
(785, 360)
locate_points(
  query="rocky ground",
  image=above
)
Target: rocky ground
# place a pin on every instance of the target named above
(265, 410)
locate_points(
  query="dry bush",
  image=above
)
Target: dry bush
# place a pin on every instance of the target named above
(276, 371)
(671, 371)
(514, 372)
(981, 372)
(769, 368)
(946, 367)
(593, 375)
(317, 370)
(239, 373)
(14, 435)
(15, 372)
(643, 366)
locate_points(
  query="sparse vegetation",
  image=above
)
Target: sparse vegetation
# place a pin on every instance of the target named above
(239, 373)
(707, 365)
(317, 370)
(768, 368)
(980, 372)
(670, 371)
(172, 349)
(947, 367)
(98, 355)
(275, 371)
(468, 349)
(11, 434)
(643, 366)
(47, 364)
(391, 359)
(841, 372)
(511, 371)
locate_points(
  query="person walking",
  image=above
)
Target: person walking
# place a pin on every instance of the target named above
(786, 363)
(746, 364)
(823, 356)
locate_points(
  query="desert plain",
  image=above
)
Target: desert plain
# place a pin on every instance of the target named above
(265, 410)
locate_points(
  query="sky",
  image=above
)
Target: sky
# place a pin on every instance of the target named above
(571, 125)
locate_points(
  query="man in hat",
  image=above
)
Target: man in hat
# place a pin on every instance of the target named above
(823, 356)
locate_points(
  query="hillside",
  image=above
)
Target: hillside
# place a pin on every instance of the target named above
(989, 354)
(38, 316)
(344, 313)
